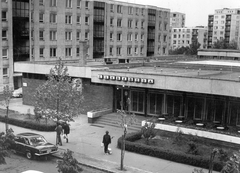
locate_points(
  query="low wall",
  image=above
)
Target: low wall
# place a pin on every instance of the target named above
(94, 114)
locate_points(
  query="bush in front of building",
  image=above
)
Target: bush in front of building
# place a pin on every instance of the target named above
(175, 156)
(29, 124)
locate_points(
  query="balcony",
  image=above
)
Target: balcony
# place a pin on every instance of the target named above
(98, 34)
(98, 19)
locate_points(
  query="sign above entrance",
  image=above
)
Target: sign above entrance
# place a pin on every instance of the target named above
(126, 79)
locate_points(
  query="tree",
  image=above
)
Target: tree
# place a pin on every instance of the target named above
(126, 119)
(222, 44)
(68, 164)
(7, 94)
(59, 97)
(148, 130)
(5, 142)
(193, 48)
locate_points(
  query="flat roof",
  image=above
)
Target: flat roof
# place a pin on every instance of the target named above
(219, 50)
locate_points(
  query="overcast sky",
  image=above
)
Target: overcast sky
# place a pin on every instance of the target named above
(196, 11)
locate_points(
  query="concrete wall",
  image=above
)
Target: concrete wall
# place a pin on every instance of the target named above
(95, 96)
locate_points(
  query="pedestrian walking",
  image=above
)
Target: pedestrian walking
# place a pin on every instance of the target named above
(106, 141)
(66, 131)
(59, 131)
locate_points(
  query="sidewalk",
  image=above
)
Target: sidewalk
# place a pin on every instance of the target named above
(85, 141)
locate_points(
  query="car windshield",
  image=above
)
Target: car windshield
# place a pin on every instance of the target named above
(37, 140)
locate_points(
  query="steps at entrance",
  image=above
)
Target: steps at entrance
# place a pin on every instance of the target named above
(114, 120)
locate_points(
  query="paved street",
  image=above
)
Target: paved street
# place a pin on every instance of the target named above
(85, 141)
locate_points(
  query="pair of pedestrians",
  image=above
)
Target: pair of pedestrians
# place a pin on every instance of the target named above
(62, 129)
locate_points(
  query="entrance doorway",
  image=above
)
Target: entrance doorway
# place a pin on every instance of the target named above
(122, 99)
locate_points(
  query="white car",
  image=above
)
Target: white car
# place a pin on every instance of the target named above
(17, 93)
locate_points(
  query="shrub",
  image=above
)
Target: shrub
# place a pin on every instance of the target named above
(148, 131)
(193, 149)
(176, 156)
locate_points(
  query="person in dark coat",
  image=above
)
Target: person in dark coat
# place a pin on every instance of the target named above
(59, 131)
(106, 141)
(66, 131)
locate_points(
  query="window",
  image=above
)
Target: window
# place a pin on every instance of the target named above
(53, 35)
(111, 21)
(119, 51)
(87, 20)
(165, 38)
(142, 37)
(41, 35)
(160, 24)
(86, 5)
(41, 52)
(136, 24)
(53, 3)
(4, 16)
(221, 32)
(111, 7)
(78, 35)
(222, 22)
(129, 37)
(119, 22)
(119, 9)
(111, 50)
(5, 72)
(78, 51)
(136, 37)
(86, 36)
(41, 17)
(78, 3)
(53, 52)
(68, 51)
(165, 26)
(175, 35)
(119, 36)
(130, 10)
(129, 50)
(111, 36)
(136, 50)
(41, 2)
(4, 34)
(78, 19)
(4, 53)
(142, 24)
(159, 38)
(68, 19)
(129, 23)
(137, 11)
(143, 11)
(68, 3)
(53, 18)
(68, 35)
(141, 50)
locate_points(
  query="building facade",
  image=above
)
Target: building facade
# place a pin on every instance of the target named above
(112, 29)
(177, 20)
(183, 37)
(6, 45)
(224, 24)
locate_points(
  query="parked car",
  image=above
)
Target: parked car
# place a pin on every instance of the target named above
(17, 93)
(32, 144)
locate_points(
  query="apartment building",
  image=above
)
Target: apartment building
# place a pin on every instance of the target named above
(6, 45)
(224, 24)
(111, 28)
(177, 20)
(183, 37)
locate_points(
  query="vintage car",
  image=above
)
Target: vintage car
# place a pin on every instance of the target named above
(32, 144)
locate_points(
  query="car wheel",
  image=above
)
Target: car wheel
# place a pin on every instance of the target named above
(29, 155)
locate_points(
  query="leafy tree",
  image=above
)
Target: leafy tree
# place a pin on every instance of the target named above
(179, 51)
(5, 142)
(126, 119)
(7, 94)
(193, 48)
(68, 164)
(59, 98)
(222, 44)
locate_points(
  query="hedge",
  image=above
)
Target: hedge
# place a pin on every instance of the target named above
(29, 124)
(162, 153)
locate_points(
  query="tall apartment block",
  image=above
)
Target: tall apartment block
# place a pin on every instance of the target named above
(224, 24)
(110, 28)
(177, 20)
(6, 45)
(183, 37)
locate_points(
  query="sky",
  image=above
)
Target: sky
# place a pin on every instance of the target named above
(196, 11)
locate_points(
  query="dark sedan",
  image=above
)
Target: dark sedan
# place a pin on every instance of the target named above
(32, 144)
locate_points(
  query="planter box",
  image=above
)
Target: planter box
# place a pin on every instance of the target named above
(200, 133)
(94, 114)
